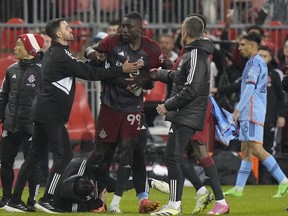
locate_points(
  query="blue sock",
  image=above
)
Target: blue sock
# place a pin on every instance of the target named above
(273, 168)
(243, 173)
(142, 196)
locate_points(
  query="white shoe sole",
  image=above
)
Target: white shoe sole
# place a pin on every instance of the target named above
(41, 208)
(11, 209)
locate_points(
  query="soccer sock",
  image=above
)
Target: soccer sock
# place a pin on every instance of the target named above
(243, 174)
(174, 204)
(273, 168)
(142, 196)
(116, 200)
(211, 171)
(222, 202)
(201, 191)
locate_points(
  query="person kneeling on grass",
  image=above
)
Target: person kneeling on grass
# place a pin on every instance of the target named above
(75, 192)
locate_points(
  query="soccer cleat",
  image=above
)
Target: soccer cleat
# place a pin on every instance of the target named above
(3, 202)
(219, 209)
(160, 185)
(115, 209)
(146, 206)
(232, 192)
(282, 191)
(202, 202)
(17, 207)
(167, 211)
(47, 206)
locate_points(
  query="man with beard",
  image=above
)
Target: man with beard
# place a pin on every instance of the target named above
(119, 120)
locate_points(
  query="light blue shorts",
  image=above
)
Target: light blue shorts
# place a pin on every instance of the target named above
(250, 131)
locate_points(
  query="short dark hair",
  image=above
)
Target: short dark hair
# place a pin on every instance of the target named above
(252, 36)
(52, 27)
(83, 187)
(194, 26)
(201, 16)
(256, 27)
(266, 48)
(135, 16)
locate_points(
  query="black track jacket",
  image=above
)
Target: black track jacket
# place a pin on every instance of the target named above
(57, 88)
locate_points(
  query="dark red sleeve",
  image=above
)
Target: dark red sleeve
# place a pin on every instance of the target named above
(108, 43)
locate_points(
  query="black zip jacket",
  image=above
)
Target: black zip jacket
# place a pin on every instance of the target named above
(188, 101)
(57, 87)
(18, 91)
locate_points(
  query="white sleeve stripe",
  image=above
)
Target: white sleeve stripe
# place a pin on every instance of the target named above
(193, 60)
(82, 168)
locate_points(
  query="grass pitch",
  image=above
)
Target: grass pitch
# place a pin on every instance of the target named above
(257, 200)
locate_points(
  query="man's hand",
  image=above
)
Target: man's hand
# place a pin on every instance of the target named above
(94, 54)
(236, 114)
(161, 109)
(153, 73)
(131, 67)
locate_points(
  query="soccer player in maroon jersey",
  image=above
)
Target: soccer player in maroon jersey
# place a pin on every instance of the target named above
(122, 106)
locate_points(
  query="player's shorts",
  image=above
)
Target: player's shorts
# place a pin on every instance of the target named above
(250, 131)
(114, 125)
(207, 135)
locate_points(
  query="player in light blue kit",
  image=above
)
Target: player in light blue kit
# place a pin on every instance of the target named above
(250, 115)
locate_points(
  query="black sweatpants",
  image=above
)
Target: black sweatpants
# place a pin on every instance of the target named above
(10, 144)
(178, 138)
(57, 136)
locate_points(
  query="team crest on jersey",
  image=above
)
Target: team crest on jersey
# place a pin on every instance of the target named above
(161, 58)
(118, 63)
(102, 134)
(141, 61)
(31, 78)
(107, 64)
(4, 133)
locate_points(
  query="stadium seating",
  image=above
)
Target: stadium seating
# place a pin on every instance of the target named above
(80, 37)
(157, 93)
(9, 35)
(81, 126)
(277, 36)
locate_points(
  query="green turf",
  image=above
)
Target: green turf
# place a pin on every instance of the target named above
(257, 200)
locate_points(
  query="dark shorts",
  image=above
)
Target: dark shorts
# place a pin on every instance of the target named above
(114, 125)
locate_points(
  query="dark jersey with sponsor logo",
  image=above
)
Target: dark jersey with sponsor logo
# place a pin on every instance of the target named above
(115, 95)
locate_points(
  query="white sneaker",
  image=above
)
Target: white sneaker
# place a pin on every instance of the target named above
(202, 202)
(115, 209)
(167, 211)
(160, 185)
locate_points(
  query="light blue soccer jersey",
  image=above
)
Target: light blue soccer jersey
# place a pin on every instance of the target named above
(255, 72)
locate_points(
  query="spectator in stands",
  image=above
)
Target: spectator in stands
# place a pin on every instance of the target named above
(18, 91)
(166, 43)
(273, 10)
(47, 41)
(275, 112)
(113, 26)
(52, 109)
(285, 83)
(250, 115)
(123, 104)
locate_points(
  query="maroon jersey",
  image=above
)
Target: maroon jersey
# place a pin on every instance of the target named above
(115, 95)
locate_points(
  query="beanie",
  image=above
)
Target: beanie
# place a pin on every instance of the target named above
(32, 42)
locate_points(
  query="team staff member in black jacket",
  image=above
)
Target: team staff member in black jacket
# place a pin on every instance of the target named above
(52, 109)
(186, 106)
(18, 91)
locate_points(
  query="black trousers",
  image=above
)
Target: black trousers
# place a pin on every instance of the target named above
(57, 136)
(10, 144)
(178, 138)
